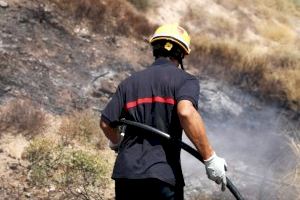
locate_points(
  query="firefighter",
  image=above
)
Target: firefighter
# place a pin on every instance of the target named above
(165, 97)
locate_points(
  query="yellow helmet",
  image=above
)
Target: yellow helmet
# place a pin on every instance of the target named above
(175, 33)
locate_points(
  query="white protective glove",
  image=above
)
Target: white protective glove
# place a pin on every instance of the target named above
(215, 170)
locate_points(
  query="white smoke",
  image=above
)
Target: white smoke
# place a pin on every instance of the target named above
(248, 134)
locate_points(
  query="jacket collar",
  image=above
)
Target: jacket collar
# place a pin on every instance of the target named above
(163, 61)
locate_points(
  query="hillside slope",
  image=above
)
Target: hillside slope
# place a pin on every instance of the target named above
(55, 59)
(57, 70)
(252, 44)
(61, 60)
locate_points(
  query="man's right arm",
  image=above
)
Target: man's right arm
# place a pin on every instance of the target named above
(194, 128)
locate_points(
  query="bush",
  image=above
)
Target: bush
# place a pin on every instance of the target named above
(77, 173)
(85, 174)
(44, 156)
(22, 116)
(83, 126)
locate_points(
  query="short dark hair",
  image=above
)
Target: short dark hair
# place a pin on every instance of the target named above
(159, 50)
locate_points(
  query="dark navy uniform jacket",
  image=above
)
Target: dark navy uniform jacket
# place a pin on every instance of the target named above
(150, 97)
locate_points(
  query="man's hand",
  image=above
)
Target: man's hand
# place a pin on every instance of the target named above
(111, 133)
(115, 146)
(215, 170)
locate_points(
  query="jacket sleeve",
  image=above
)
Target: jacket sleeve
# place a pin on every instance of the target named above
(112, 112)
(189, 90)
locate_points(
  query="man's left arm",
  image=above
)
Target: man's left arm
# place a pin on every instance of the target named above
(110, 115)
(111, 133)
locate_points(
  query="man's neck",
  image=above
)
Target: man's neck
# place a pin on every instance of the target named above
(173, 60)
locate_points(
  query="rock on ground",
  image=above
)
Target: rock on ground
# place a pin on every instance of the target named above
(3, 4)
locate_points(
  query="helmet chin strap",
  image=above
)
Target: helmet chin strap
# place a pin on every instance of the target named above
(181, 64)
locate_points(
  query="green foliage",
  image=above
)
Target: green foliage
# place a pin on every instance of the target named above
(44, 157)
(77, 173)
(82, 165)
(84, 174)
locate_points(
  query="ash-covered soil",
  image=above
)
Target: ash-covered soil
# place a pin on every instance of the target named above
(54, 60)
(51, 58)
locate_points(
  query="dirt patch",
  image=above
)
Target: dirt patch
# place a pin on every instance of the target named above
(13, 146)
(13, 169)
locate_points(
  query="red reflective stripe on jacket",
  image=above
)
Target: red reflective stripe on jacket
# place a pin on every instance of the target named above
(133, 104)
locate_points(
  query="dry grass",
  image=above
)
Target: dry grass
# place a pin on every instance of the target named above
(198, 19)
(286, 6)
(290, 81)
(255, 47)
(270, 74)
(83, 127)
(276, 32)
(141, 4)
(22, 116)
(108, 16)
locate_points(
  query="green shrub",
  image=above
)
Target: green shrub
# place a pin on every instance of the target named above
(85, 174)
(44, 156)
(77, 173)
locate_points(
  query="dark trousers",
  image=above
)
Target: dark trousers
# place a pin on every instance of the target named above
(146, 189)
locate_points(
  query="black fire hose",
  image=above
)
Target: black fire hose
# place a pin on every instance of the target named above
(184, 146)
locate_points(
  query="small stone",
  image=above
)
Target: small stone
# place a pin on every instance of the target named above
(97, 94)
(26, 189)
(3, 4)
(1, 150)
(28, 195)
(78, 191)
(12, 156)
(13, 166)
(108, 87)
(7, 89)
(51, 188)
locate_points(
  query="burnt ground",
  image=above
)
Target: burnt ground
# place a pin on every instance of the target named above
(54, 60)
(57, 62)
